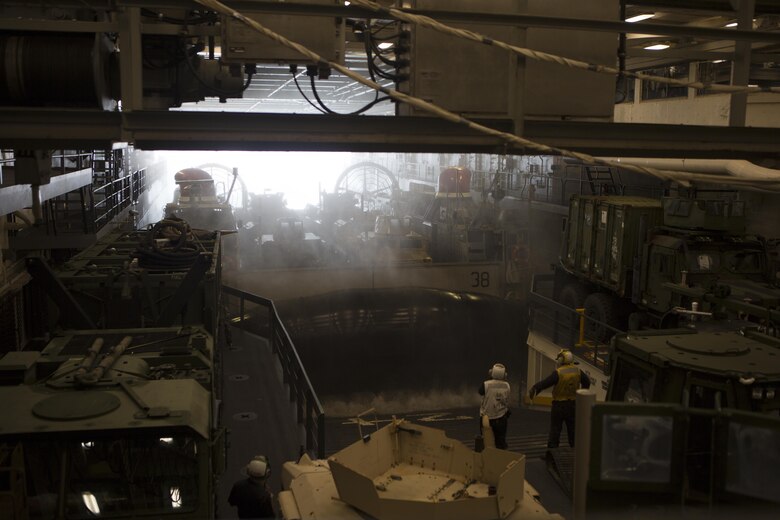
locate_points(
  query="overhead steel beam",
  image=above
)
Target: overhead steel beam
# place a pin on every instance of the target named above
(72, 129)
(657, 140)
(522, 20)
(722, 6)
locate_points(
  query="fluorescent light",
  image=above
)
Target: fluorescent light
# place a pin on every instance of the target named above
(90, 502)
(166, 440)
(385, 45)
(175, 497)
(734, 24)
(657, 47)
(718, 61)
(640, 17)
(752, 85)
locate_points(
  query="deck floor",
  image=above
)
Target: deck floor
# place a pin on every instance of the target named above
(261, 420)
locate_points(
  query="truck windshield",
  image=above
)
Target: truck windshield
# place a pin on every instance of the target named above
(747, 262)
(735, 261)
(150, 475)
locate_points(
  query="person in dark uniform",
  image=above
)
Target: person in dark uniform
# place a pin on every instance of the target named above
(565, 381)
(495, 403)
(251, 495)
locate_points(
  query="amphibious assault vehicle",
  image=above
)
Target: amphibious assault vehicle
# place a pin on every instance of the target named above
(405, 470)
(112, 410)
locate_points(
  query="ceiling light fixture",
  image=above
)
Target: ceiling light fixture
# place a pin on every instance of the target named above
(640, 17)
(732, 24)
(385, 45)
(657, 47)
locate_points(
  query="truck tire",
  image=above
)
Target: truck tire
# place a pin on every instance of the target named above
(602, 312)
(573, 295)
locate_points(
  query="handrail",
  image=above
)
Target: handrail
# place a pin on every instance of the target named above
(309, 411)
(586, 338)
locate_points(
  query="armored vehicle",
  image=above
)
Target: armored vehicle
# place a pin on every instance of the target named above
(114, 423)
(405, 470)
(113, 412)
(633, 262)
(730, 369)
(690, 425)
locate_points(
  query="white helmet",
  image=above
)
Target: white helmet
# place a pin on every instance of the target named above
(258, 467)
(498, 371)
(564, 357)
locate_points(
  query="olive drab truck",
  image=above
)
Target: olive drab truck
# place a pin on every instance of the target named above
(634, 263)
(669, 306)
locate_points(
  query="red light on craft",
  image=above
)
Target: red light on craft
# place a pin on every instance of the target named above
(455, 181)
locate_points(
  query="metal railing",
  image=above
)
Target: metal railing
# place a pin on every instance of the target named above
(588, 339)
(309, 411)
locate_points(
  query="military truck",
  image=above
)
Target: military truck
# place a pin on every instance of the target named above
(634, 263)
(688, 420)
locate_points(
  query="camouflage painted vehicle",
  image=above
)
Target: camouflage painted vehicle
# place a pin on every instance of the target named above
(405, 471)
(115, 413)
(690, 427)
(633, 262)
(737, 369)
(111, 423)
(689, 421)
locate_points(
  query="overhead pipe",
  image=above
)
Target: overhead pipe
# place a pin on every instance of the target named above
(732, 167)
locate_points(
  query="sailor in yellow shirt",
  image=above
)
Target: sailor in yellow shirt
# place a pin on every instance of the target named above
(565, 380)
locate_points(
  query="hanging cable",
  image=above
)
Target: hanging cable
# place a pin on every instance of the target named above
(355, 113)
(170, 244)
(294, 72)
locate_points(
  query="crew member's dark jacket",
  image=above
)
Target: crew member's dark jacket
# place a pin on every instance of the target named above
(252, 499)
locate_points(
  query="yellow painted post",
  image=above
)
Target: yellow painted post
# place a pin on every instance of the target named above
(581, 342)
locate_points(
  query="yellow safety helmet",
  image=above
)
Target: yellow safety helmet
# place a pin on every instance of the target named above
(564, 357)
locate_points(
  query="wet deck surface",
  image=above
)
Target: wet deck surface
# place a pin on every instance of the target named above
(257, 412)
(260, 419)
